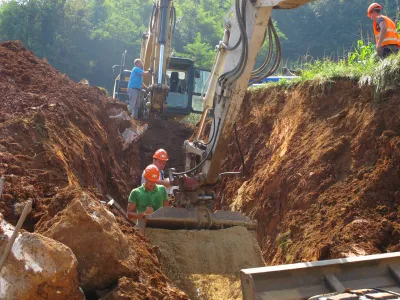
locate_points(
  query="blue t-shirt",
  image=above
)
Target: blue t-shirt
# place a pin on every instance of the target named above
(136, 80)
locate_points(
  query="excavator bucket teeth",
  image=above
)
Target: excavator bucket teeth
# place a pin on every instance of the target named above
(198, 218)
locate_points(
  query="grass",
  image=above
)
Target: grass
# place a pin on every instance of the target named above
(383, 74)
(283, 241)
(192, 119)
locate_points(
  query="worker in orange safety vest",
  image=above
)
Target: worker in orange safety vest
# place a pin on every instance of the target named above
(385, 31)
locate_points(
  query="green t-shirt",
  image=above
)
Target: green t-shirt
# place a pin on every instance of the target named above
(144, 198)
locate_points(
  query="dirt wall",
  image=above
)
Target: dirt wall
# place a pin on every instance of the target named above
(168, 135)
(322, 171)
(59, 139)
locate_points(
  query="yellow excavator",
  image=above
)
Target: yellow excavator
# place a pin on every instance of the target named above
(174, 87)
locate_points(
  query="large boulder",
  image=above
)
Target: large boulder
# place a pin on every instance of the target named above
(92, 232)
(37, 268)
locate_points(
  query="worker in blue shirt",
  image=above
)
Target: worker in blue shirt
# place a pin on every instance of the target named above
(134, 87)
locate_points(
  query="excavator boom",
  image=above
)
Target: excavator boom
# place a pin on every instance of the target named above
(156, 50)
(247, 25)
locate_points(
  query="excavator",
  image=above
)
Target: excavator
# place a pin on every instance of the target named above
(247, 26)
(174, 87)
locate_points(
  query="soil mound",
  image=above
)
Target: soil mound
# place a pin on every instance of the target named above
(56, 133)
(206, 263)
(59, 138)
(322, 171)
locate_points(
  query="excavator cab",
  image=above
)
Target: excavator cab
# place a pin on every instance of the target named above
(185, 84)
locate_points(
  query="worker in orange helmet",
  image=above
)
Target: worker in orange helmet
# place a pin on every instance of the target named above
(147, 198)
(385, 31)
(160, 159)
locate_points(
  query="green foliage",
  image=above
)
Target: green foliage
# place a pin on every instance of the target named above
(84, 38)
(361, 53)
(325, 70)
(386, 74)
(283, 240)
(200, 52)
(191, 119)
(327, 28)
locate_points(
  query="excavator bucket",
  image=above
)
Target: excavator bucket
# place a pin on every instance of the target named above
(197, 218)
(365, 277)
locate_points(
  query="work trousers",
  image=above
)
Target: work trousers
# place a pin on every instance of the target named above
(387, 50)
(134, 101)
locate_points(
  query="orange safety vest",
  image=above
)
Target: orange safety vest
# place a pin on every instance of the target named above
(391, 37)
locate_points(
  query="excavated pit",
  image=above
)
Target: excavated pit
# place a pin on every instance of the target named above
(322, 175)
(206, 263)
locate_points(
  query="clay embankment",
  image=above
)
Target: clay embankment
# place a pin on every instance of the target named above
(323, 172)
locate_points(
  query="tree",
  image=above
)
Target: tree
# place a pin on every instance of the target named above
(202, 53)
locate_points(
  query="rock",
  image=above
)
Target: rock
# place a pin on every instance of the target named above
(92, 232)
(37, 268)
(11, 178)
(337, 117)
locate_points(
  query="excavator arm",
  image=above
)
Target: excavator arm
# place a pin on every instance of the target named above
(156, 50)
(247, 26)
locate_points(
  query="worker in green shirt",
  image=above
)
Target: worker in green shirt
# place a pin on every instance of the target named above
(147, 198)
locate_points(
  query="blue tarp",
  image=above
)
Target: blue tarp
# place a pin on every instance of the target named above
(276, 79)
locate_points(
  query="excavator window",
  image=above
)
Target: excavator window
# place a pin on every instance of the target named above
(177, 81)
(174, 82)
(199, 81)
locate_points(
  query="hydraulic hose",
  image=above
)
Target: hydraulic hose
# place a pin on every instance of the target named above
(241, 18)
(153, 13)
(173, 18)
(270, 52)
(245, 46)
(213, 133)
(241, 156)
(231, 76)
(204, 160)
(278, 56)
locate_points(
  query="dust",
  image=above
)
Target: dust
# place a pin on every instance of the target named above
(205, 262)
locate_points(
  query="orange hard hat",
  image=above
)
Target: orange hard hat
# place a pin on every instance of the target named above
(152, 173)
(161, 154)
(372, 7)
